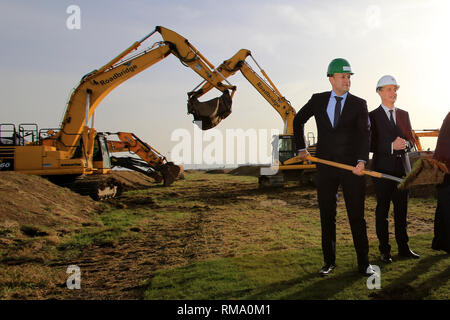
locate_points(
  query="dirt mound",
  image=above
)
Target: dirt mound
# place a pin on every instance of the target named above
(218, 171)
(253, 171)
(132, 180)
(32, 200)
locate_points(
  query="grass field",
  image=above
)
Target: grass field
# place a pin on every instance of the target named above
(217, 236)
(293, 275)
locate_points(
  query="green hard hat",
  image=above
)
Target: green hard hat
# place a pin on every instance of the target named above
(339, 65)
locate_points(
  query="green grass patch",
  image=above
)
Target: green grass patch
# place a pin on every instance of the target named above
(115, 224)
(103, 237)
(121, 218)
(111, 226)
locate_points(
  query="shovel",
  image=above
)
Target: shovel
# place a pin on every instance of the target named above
(346, 167)
(425, 172)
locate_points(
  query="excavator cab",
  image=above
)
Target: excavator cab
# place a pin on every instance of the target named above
(101, 156)
(285, 147)
(8, 135)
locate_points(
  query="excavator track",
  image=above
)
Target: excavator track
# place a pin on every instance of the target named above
(98, 187)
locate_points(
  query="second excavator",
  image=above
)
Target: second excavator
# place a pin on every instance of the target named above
(283, 144)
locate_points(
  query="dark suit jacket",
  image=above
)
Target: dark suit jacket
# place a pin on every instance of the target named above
(349, 141)
(442, 152)
(382, 134)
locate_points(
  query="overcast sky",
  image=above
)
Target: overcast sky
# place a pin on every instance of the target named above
(42, 60)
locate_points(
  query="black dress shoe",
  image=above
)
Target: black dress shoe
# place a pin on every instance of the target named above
(367, 271)
(386, 258)
(408, 254)
(438, 248)
(327, 269)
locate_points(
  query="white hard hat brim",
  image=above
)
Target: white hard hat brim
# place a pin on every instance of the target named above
(389, 84)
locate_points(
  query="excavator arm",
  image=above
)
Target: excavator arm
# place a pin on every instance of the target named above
(155, 164)
(263, 84)
(75, 151)
(96, 85)
(284, 145)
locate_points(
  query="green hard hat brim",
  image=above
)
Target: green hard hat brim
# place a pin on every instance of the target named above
(330, 74)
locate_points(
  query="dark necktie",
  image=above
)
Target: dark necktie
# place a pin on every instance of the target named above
(337, 111)
(391, 118)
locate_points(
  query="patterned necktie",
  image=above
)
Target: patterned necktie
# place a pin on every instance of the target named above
(337, 111)
(391, 118)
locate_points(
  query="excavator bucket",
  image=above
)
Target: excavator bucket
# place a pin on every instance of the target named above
(170, 172)
(210, 112)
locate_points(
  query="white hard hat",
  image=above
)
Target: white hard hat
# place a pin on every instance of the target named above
(385, 81)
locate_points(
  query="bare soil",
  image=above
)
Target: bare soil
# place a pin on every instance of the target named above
(132, 180)
(28, 199)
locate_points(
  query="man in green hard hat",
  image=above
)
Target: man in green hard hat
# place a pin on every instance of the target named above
(342, 121)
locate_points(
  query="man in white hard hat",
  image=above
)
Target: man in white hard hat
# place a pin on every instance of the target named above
(391, 136)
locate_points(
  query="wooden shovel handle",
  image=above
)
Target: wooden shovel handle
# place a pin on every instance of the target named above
(343, 166)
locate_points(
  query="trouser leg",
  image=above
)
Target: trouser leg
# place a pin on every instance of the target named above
(442, 217)
(438, 226)
(327, 197)
(354, 189)
(400, 200)
(383, 191)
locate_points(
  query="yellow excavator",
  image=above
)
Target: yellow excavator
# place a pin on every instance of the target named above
(75, 153)
(283, 144)
(151, 163)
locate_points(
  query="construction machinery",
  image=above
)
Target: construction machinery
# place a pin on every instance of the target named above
(283, 144)
(151, 163)
(417, 134)
(75, 151)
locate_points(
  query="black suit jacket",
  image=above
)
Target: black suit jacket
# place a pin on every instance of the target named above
(382, 134)
(442, 152)
(349, 141)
